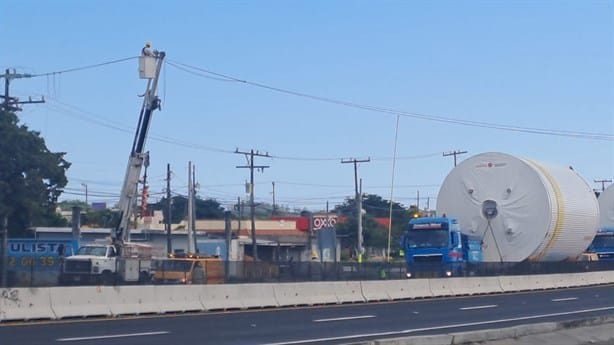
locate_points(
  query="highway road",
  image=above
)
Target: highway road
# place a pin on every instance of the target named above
(333, 324)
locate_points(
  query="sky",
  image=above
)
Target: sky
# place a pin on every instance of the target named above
(313, 83)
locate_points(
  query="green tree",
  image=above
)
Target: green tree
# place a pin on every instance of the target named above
(31, 177)
(204, 208)
(374, 233)
(100, 219)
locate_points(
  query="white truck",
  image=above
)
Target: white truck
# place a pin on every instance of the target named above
(107, 264)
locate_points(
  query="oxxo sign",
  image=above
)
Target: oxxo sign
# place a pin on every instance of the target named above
(324, 222)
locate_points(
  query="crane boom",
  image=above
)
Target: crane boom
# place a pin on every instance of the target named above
(138, 156)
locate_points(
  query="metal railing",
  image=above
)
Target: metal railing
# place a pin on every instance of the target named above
(39, 275)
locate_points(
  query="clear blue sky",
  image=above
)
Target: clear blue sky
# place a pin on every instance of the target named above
(533, 64)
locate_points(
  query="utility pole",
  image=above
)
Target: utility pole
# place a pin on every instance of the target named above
(454, 153)
(169, 243)
(250, 161)
(240, 206)
(273, 213)
(12, 103)
(358, 202)
(5, 250)
(192, 209)
(86, 202)
(603, 182)
(193, 216)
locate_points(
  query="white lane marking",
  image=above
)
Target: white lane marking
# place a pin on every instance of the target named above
(113, 336)
(564, 299)
(479, 307)
(345, 318)
(408, 331)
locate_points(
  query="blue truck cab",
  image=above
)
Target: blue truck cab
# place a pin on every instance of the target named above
(435, 246)
(603, 244)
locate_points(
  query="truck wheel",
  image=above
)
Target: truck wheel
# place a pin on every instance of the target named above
(107, 278)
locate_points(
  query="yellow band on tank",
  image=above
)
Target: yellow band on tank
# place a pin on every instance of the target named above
(560, 210)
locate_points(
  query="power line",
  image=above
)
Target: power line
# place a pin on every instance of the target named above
(530, 130)
(75, 69)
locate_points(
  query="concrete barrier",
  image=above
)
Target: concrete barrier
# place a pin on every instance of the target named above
(25, 304)
(408, 289)
(309, 293)
(573, 280)
(542, 281)
(472, 286)
(178, 299)
(375, 290)
(257, 295)
(513, 283)
(348, 292)
(80, 301)
(600, 277)
(440, 287)
(62, 302)
(134, 300)
(221, 297)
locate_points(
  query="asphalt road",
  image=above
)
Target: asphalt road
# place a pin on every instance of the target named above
(336, 324)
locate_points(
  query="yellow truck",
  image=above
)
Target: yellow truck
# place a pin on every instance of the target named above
(189, 270)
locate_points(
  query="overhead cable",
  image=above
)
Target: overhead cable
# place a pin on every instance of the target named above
(531, 130)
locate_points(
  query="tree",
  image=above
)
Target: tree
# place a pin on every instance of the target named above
(31, 178)
(204, 208)
(374, 234)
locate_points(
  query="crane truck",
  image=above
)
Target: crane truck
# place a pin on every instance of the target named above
(435, 246)
(121, 260)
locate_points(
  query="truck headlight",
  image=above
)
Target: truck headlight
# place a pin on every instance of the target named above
(408, 274)
(448, 273)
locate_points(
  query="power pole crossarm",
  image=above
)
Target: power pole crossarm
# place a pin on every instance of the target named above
(11, 103)
(454, 153)
(603, 182)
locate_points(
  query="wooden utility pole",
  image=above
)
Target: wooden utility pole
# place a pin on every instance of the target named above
(12, 103)
(358, 196)
(274, 208)
(250, 165)
(169, 243)
(454, 153)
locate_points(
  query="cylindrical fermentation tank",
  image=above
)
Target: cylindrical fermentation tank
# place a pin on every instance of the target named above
(606, 208)
(522, 209)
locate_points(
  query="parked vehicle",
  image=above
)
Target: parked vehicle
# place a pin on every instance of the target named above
(189, 270)
(435, 246)
(108, 264)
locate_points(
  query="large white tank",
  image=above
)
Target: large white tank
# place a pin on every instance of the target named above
(522, 209)
(606, 208)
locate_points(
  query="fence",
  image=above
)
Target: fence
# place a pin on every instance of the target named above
(41, 274)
